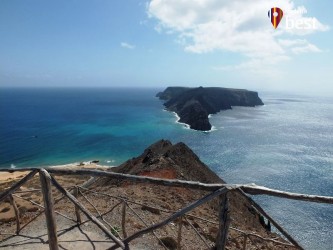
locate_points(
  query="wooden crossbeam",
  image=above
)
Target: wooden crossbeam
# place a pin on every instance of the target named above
(17, 185)
(176, 215)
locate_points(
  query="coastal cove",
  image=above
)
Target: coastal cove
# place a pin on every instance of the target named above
(286, 144)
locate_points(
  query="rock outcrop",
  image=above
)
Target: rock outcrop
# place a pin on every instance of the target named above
(193, 105)
(172, 161)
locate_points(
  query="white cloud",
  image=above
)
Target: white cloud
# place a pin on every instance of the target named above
(292, 42)
(263, 66)
(127, 45)
(305, 49)
(298, 46)
(240, 26)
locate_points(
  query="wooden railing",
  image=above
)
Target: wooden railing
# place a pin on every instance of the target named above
(215, 190)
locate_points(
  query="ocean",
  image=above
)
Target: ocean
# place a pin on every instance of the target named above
(286, 144)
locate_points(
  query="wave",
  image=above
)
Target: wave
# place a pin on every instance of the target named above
(211, 130)
(186, 126)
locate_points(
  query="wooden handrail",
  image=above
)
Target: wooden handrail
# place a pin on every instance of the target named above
(247, 188)
(216, 189)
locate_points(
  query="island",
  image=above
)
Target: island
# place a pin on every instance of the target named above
(194, 105)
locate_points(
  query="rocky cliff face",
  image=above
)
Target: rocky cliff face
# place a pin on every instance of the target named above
(170, 92)
(193, 105)
(177, 161)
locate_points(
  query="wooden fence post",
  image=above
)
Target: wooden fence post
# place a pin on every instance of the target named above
(244, 242)
(17, 213)
(77, 210)
(224, 222)
(123, 220)
(49, 209)
(179, 238)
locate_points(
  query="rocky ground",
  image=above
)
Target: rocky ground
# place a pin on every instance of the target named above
(145, 204)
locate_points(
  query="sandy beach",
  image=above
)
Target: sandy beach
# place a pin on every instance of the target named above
(9, 177)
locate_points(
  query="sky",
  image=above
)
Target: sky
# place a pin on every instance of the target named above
(159, 43)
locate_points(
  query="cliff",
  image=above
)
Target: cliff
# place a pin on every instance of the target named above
(193, 105)
(177, 160)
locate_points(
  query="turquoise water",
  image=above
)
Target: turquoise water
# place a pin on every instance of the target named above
(78, 125)
(286, 144)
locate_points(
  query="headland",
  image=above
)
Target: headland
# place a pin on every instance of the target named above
(194, 105)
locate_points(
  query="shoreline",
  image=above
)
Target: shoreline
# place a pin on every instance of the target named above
(10, 176)
(186, 126)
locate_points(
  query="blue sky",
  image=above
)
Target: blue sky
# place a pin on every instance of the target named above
(166, 42)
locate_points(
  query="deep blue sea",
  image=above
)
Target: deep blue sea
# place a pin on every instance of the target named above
(286, 144)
